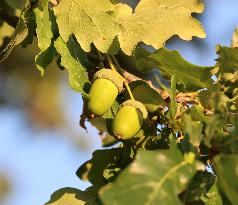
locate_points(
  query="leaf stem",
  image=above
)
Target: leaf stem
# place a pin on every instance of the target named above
(117, 64)
(110, 63)
(129, 91)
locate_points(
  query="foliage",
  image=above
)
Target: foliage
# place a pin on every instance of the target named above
(192, 114)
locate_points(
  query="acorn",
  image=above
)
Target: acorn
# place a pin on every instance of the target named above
(129, 119)
(107, 84)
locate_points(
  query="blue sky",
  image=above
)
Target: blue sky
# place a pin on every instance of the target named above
(39, 165)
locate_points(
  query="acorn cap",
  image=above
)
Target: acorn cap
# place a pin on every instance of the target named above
(138, 105)
(110, 75)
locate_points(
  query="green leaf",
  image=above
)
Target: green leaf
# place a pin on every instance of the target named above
(152, 22)
(75, 61)
(45, 32)
(197, 113)
(106, 164)
(143, 63)
(21, 31)
(72, 196)
(212, 197)
(228, 68)
(199, 185)
(44, 25)
(93, 169)
(228, 59)
(193, 77)
(43, 59)
(90, 22)
(193, 129)
(155, 177)
(226, 171)
(206, 97)
(214, 132)
(142, 92)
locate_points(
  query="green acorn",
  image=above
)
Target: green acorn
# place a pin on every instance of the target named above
(129, 119)
(107, 84)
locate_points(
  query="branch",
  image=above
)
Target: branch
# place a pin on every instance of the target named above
(130, 78)
(8, 18)
(180, 97)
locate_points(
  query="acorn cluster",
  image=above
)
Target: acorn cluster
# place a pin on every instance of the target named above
(107, 84)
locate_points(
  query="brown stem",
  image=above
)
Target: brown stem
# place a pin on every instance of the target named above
(130, 78)
(184, 98)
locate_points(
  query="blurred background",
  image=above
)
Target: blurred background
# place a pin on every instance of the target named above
(41, 142)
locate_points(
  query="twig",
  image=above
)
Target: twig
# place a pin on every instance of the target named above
(187, 97)
(130, 78)
(191, 97)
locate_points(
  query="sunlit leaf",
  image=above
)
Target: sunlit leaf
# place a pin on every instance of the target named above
(45, 22)
(193, 77)
(152, 22)
(72, 196)
(74, 60)
(156, 177)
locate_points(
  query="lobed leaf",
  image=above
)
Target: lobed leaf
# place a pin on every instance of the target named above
(45, 23)
(228, 59)
(75, 61)
(93, 169)
(156, 177)
(193, 77)
(152, 22)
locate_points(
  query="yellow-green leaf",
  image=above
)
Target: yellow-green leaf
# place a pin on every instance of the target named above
(71, 196)
(153, 22)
